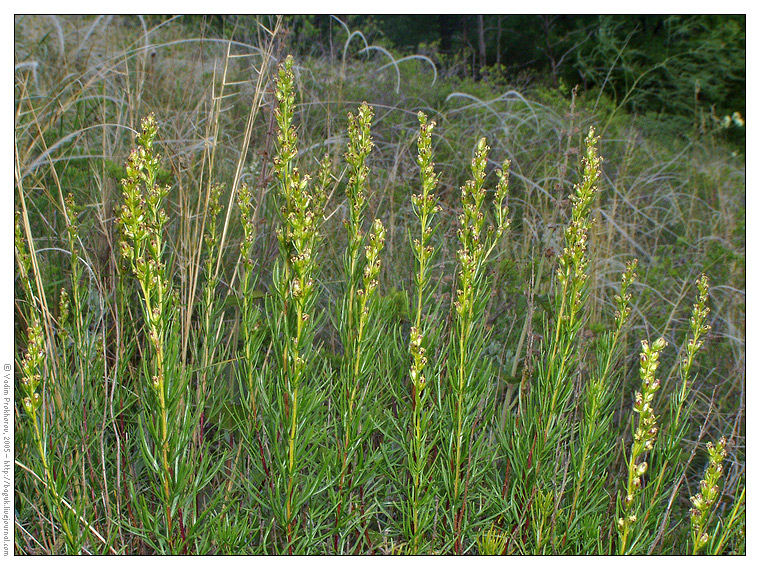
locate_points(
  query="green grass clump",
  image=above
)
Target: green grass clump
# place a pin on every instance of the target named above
(396, 354)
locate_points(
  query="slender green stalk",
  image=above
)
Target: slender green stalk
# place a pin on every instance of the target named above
(699, 328)
(294, 283)
(425, 207)
(250, 325)
(468, 387)
(32, 385)
(360, 287)
(85, 357)
(708, 493)
(357, 362)
(209, 298)
(644, 436)
(543, 422)
(680, 406)
(724, 531)
(142, 221)
(572, 276)
(596, 413)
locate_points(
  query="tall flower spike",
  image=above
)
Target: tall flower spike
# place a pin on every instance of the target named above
(703, 501)
(500, 199)
(643, 435)
(573, 261)
(698, 323)
(424, 206)
(622, 301)
(294, 287)
(359, 146)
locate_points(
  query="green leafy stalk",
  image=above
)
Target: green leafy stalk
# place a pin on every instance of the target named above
(468, 384)
(537, 454)
(734, 523)
(294, 284)
(595, 445)
(211, 280)
(644, 436)
(358, 310)
(425, 207)
(32, 387)
(23, 260)
(667, 450)
(142, 221)
(250, 315)
(86, 356)
(699, 328)
(572, 277)
(703, 501)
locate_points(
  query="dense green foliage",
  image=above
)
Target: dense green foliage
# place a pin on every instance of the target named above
(352, 302)
(662, 65)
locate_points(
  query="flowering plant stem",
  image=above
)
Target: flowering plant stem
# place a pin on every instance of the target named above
(468, 386)
(294, 284)
(425, 207)
(358, 308)
(142, 222)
